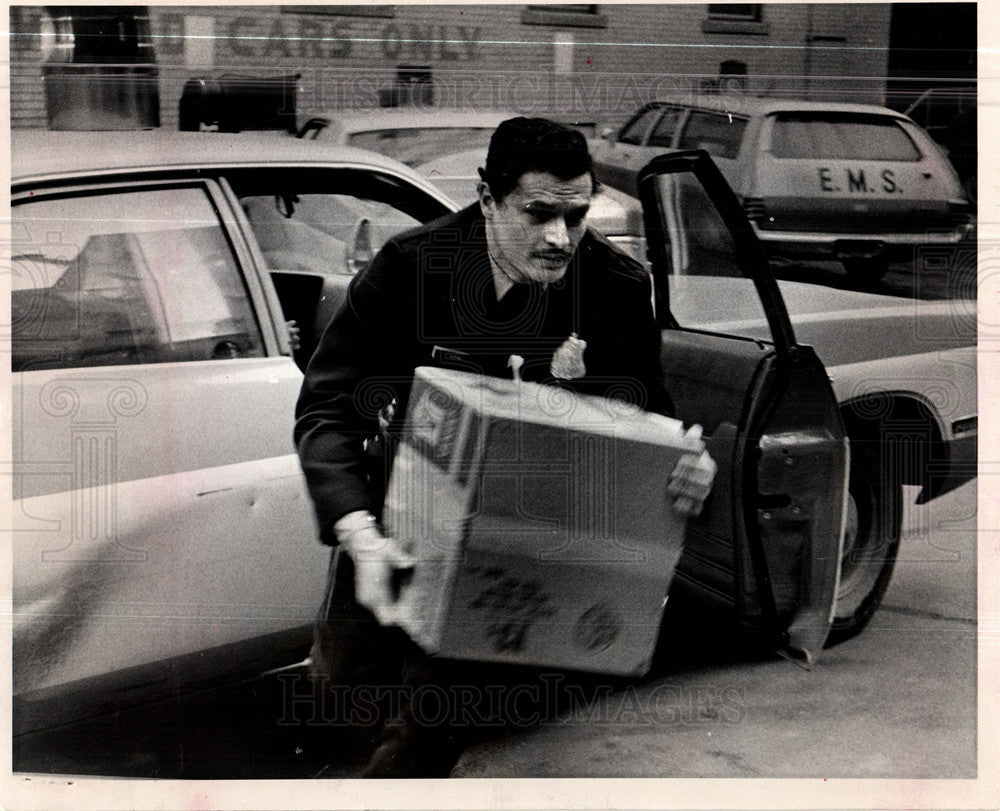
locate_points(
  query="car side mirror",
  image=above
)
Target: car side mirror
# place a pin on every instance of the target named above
(359, 249)
(608, 134)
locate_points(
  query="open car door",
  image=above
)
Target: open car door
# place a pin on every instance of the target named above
(765, 553)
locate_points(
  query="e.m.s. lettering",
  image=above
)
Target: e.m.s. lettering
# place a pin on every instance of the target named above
(856, 181)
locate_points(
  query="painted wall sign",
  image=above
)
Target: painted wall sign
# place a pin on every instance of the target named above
(303, 38)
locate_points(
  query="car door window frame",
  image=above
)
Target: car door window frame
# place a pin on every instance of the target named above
(231, 185)
(749, 255)
(86, 187)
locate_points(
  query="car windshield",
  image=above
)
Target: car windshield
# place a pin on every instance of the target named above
(416, 145)
(841, 135)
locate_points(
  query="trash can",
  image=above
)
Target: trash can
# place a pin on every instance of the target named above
(232, 103)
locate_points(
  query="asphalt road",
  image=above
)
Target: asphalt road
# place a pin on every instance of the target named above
(897, 701)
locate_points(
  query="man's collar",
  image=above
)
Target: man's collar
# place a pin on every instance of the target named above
(502, 283)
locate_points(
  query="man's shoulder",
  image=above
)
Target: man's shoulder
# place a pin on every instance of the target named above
(401, 266)
(611, 262)
(458, 228)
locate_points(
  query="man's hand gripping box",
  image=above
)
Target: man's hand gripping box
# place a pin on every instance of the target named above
(540, 521)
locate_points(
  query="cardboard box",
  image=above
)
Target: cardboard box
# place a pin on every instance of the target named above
(540, 520)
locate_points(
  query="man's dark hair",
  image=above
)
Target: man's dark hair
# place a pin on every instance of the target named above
(522, 145)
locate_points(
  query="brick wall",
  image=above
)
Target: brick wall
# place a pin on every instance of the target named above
(488, 56)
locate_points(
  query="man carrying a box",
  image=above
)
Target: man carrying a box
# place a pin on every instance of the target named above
(515, 280)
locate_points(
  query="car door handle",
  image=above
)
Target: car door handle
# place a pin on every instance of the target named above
(928, 175)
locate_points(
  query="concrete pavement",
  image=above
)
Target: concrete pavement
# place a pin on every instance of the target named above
(898, 701)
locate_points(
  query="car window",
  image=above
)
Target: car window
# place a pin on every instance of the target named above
(321, 232)
(324, 220)
(708, 290)
(417, 145)
(666, 128)
(719, 134)
(130, 277)
(618, 216)
(635, 131)
(840, 135)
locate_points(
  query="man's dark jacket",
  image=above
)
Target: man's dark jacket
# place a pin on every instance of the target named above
(428, 299)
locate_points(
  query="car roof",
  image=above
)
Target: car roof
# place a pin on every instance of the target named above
(348, 121)
(52, 154)
(462, 164)
(754, 105)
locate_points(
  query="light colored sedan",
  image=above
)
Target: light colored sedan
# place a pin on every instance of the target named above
(857, 183)
(162, 531)
(162, 535)
(409, 135)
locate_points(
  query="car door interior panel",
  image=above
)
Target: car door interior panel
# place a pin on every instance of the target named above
(708, 377)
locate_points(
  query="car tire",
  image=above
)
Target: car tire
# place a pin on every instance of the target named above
(871, 540)
(866, 272)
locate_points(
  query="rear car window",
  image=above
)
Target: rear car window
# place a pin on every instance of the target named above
(666, 128)
(720, 134)
(314, 232)
(123, 278)
(841, 135)
(634, 132)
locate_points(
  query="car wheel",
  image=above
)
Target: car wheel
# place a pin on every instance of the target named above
(871, 540)
(866, 272)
